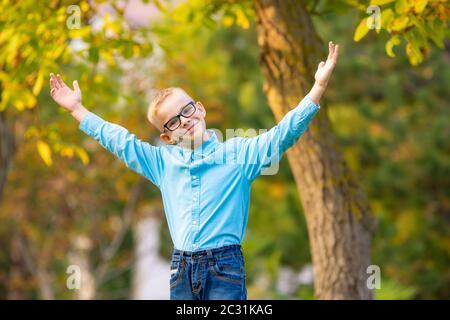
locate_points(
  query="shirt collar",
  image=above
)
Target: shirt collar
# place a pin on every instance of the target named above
(206, 148)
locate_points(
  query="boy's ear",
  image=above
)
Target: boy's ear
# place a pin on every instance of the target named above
(166, 139)
(201, 107)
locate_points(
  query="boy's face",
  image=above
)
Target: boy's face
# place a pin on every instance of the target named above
(191, 119)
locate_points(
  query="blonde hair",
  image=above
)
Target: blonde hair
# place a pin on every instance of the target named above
(158, 97)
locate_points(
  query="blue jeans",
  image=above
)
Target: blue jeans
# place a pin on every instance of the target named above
(211, 274)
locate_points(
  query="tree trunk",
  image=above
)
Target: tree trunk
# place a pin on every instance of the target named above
(6, 150)
(340, 223)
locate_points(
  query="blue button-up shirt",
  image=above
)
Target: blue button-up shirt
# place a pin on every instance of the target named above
(205, 191)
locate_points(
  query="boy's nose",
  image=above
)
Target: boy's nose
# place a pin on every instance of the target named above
(186, 122)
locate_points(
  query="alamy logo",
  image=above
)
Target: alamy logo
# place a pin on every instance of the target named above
(74, 279)
(374, 21)
(374, 280)
(74, 20)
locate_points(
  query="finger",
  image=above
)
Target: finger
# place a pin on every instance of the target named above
(321, 64)
(335, 55)
(51, 81)
(75, 86)
(60, 81)
(336, 52)
(330, 49)
(52, 92)
(55, 82)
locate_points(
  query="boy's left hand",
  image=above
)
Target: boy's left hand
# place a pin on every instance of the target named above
(325, 69)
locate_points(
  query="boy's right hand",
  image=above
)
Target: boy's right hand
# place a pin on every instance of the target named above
(64, 96)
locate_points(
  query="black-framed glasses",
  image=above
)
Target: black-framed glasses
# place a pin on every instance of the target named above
(186, 112)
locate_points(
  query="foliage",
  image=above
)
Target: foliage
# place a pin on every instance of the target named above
(418, 23)
(38, 37)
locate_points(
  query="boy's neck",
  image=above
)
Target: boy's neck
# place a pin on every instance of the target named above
(194, 144)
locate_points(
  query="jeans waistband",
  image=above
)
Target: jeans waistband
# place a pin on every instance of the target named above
(221, 251)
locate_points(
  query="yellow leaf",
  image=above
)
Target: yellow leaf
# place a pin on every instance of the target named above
(55, 54)
(403, 6)
(136, 50)
(84, 157)
(395, 40)
(84, 6)
(19, 104)
(98, 78)
(5, 98)
(45, 152)
(361, 30)
(228, 21)
(242, 20)
(400, 23)
(414, 55)
(380, 2)
(39, 82)
(386, 17)
(419, 5)
(67, 152)
(29, 100)
(108, 57)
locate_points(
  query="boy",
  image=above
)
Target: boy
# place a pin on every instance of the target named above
(205, 183)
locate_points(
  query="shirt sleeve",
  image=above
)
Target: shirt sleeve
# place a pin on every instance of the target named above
(141, 157)
(266, 150)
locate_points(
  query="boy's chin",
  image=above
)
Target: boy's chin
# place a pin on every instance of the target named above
(192, 137)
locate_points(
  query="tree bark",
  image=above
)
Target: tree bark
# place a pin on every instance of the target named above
(6, 150)
(340, 223)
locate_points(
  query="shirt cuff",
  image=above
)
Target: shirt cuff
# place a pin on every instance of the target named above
(310, 102)
(90, 123)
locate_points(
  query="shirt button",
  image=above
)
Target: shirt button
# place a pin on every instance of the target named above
(194, 177)
(194, 245)
(194, 222)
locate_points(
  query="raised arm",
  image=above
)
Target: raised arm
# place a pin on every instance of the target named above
(139, 156)
(265, 150)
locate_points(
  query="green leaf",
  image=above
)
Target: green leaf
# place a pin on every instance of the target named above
(436, 35)
(94, 54)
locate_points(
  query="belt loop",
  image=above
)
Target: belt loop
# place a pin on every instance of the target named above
(210, 257)
(182, 260)
(184, 254)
